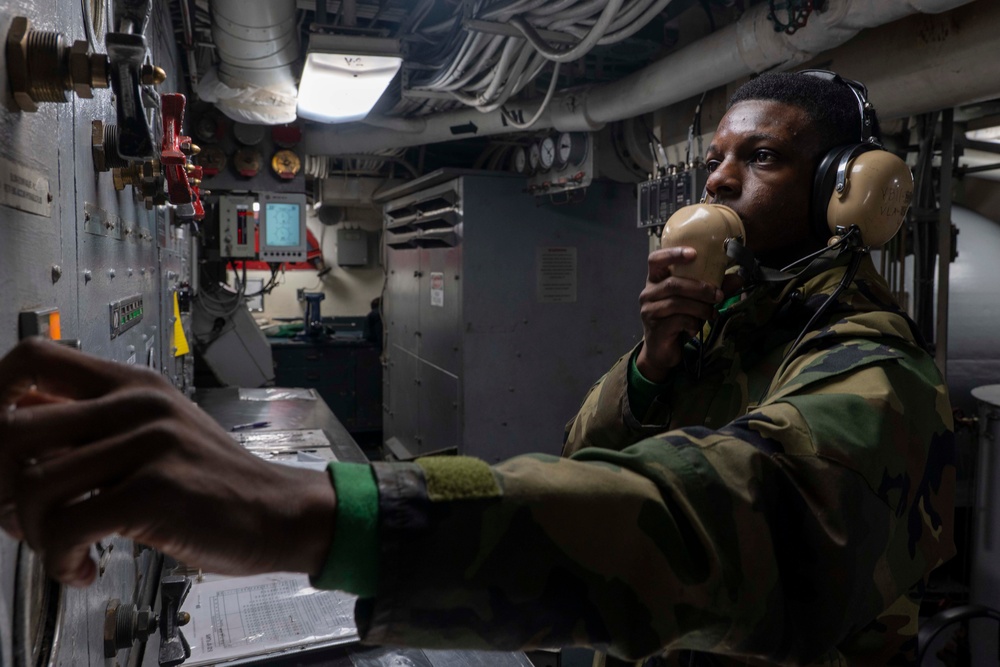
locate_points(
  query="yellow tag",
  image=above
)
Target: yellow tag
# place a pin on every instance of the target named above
(180, 340)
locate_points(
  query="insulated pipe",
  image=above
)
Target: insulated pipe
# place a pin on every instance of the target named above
(922, 63)
(748, 46)
(257, 42)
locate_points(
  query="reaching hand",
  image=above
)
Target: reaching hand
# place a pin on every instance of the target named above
(672, 309)
(90, 447)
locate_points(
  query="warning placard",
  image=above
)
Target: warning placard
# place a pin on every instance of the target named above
(556, 279)
(437, 290)
(24, 188)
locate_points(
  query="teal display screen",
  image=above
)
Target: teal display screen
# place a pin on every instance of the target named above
(282, 225)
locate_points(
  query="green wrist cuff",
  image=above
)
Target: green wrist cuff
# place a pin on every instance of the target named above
(352, 564)
(641, 392)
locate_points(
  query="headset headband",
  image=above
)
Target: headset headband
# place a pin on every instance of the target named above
(860, 92)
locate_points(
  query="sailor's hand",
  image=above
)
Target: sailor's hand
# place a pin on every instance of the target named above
(89, 448)
(672, 309)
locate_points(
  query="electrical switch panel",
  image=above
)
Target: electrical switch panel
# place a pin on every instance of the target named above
(125, 314)
(238, 226)
(661, 197)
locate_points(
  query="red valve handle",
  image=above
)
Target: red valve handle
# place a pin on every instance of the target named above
(172, 107)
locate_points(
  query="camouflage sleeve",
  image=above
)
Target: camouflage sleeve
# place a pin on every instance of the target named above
(776, 536)
(606, 419)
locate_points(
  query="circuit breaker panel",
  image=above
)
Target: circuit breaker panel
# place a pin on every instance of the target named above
(96, 193)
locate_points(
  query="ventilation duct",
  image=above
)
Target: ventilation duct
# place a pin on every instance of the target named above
(257, 43)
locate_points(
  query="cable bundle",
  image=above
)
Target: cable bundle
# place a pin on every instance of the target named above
(485, 70)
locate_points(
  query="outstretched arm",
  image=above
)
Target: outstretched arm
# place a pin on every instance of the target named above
(91, 448)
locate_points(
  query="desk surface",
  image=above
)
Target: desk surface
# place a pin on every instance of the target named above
(325, 341)
(224, 405)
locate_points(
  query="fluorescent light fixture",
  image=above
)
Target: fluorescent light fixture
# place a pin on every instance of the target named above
(985, 134)
(344, 76)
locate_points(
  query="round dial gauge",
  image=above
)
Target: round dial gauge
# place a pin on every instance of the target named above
(247, 162)
(286, 164)
(520, 160)
(212, 160)
(249, 135)
(547, 153)
(534, 156)
(572, 148)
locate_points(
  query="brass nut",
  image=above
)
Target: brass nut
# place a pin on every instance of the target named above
(110, 624)
(97, 146)
(130, 175)
(17, 62)
(152, 75)
(100, 74)
(79, 69)
(150, 169)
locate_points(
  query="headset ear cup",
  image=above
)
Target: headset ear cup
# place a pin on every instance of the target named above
(878, 193)
(824, 183)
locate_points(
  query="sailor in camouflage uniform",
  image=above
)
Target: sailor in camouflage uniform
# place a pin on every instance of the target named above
(744, 494)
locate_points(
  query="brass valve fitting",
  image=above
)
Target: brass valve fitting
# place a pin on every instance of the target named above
(43, 68)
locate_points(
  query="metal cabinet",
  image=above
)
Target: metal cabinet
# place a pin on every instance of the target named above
(501, 310)
(347, 375)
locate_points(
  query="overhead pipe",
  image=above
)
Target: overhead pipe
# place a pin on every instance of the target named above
(748, 46)
(257, 42)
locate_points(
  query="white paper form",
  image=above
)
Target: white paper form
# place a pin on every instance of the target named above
(277, 394)
(312, 438)
(240, 617)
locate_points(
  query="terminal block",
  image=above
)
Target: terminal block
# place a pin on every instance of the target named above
(666, 193)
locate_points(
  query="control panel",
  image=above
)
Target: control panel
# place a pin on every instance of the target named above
(125, 314)
(556, 163)
(238, 226)
(102, 195)
(282, 227)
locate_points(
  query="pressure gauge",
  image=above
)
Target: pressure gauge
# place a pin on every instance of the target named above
(534, 157)
(521, 160)
(209, 128)
(572, 149)
(249, 135)
(286, 164)
(247, 162)
(286, 136)
(212, 160)
(547, 153)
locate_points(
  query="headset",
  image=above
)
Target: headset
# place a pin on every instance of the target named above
(859, 184)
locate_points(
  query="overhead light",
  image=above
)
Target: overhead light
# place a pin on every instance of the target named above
(345, 75)
(985, 134)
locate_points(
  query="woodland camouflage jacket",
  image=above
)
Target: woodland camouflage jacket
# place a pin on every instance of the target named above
(783, 512)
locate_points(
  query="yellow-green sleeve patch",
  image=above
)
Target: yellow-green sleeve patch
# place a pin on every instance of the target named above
(458, 478)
